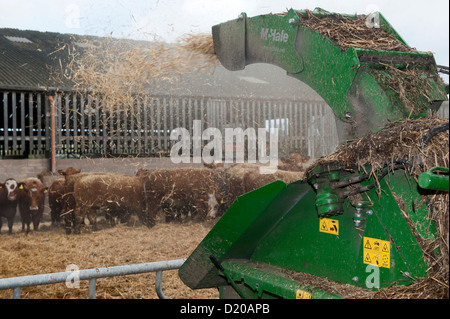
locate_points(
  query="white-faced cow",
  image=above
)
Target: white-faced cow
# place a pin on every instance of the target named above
(8, 202)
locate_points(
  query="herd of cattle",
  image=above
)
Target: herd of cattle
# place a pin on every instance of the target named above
(196, 193)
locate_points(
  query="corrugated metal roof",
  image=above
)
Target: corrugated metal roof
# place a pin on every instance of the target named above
(40, 63)
(18, 39)
(30, 64)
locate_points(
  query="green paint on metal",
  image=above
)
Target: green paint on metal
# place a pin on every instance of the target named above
(235, 232)
(434, 181)
(327, 69)
(264, 281)
(285, 232)
(296, 243)
(406, 254)
(408, 196)
(328, 200)
(271, 39)
(351, 81)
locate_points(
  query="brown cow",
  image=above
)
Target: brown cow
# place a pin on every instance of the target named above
(68, 202)
(294, 162)
(204, 192)
(31, 202)
(183, 191)
(69, 171)
(57, 193)
(55, 199)
(109, 191)
(8, 202)
(242, 178)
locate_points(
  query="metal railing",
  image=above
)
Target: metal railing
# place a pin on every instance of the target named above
(17, 283)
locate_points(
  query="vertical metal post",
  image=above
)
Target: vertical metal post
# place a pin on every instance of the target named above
(158, 285)
(5, 123)
(51, 99)
(16, 293)
(22, 125)
(92, 288)
(14, 121)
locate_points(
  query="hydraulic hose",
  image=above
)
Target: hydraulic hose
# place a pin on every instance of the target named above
(380, 176)
(432, 133)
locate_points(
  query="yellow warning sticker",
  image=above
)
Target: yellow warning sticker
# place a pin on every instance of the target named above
(301, 294)
(377, 252)
(329, 226)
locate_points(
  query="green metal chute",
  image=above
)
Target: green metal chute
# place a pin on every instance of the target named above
(246, 221)
(276, 228)
(355, 82)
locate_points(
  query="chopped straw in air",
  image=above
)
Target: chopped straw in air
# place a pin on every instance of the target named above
(201, 46)
(123, 71)
(119, 75)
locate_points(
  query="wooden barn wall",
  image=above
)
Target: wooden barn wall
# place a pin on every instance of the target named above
(23, 123)
(87, 128)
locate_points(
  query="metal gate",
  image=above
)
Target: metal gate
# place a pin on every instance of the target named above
(17, 283)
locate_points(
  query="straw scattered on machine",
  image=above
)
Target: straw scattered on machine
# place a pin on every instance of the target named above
(351, 32)
(417, 145)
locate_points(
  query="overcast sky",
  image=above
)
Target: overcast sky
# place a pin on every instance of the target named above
(423, 24)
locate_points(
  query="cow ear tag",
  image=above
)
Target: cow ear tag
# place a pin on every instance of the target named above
(21, 187)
